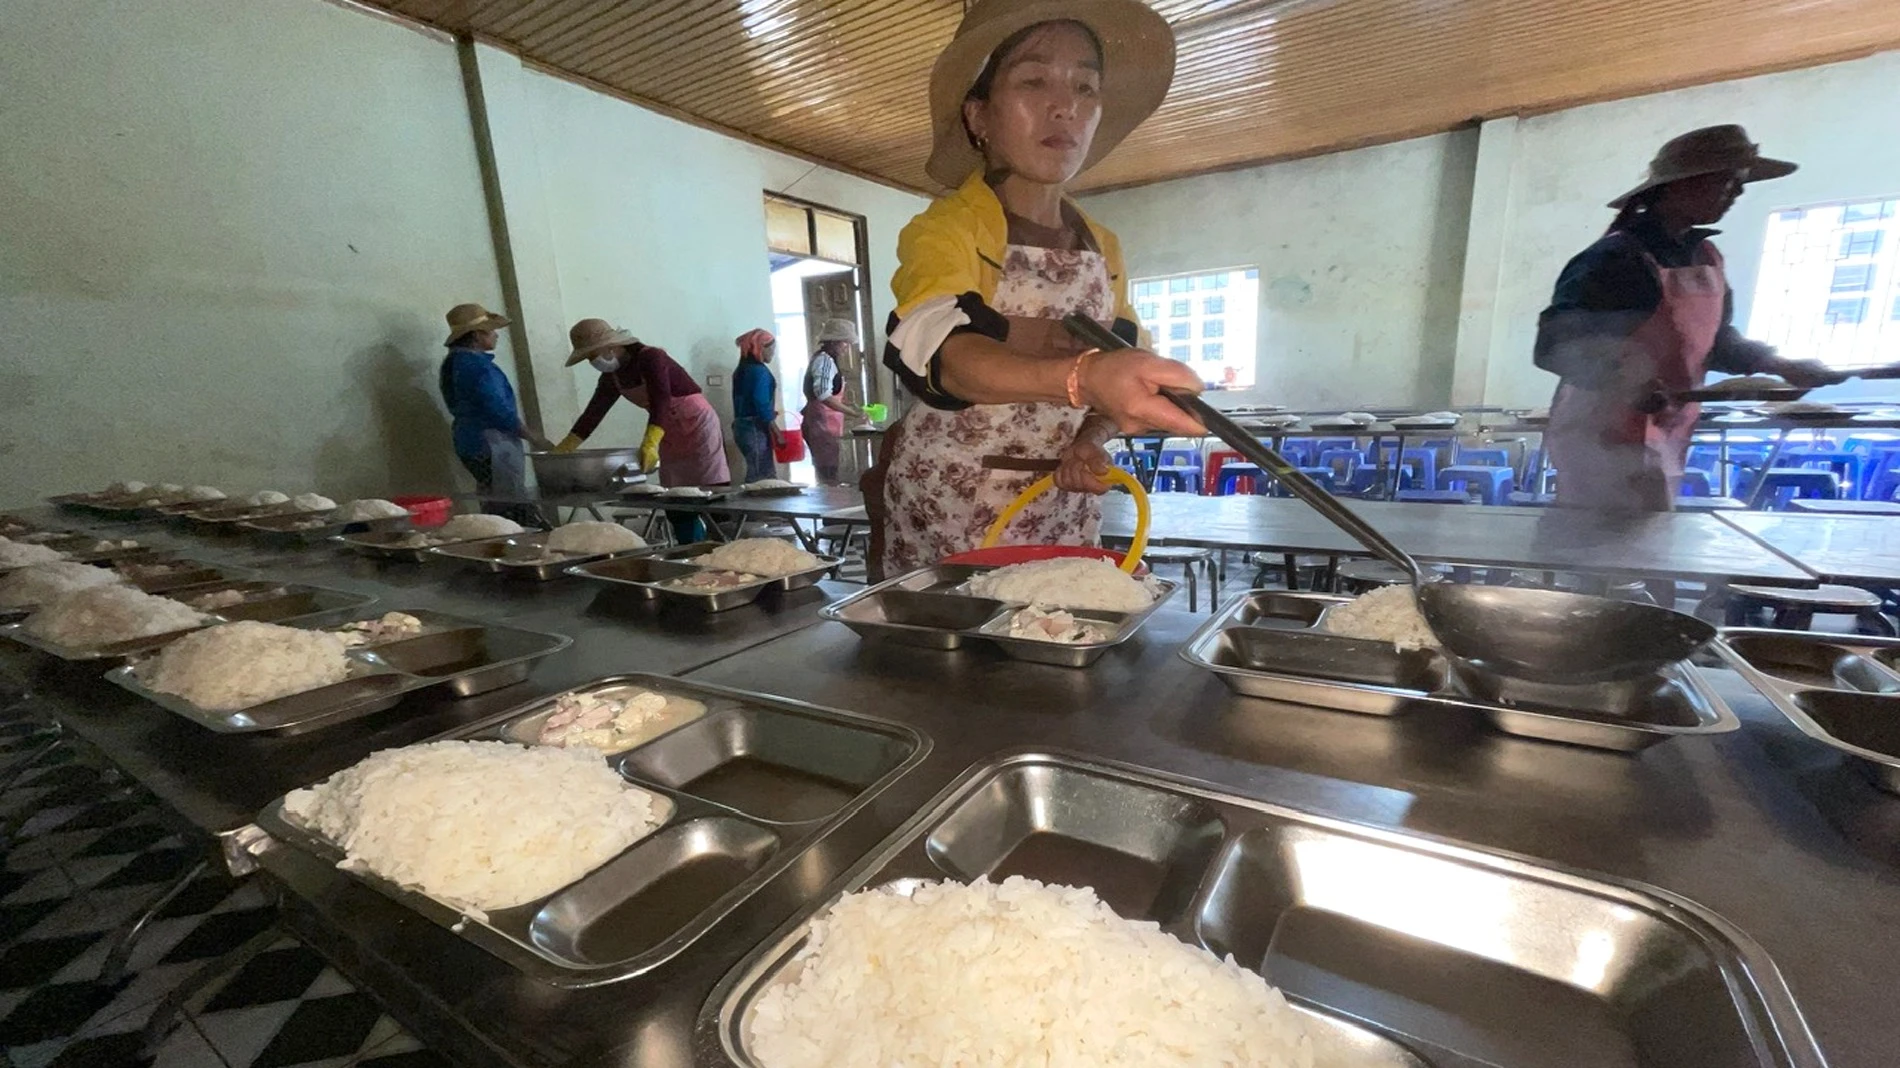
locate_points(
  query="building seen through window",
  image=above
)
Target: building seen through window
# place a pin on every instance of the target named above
(1206, 320)
(1829, 283)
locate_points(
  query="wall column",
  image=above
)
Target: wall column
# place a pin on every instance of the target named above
(1484, 259)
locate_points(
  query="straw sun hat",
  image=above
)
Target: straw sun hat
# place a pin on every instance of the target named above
(464, 318)
(1137, 66)
(591, 335)
(839, 330)
(1710, 150)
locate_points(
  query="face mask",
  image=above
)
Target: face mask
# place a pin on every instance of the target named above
(605, 364)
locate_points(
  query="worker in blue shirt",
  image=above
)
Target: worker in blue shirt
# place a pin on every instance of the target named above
(755, 405)
(487, 427)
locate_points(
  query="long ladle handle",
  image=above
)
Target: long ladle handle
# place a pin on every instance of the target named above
(1271, 462)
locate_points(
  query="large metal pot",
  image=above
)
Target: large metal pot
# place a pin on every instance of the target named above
(584, 470)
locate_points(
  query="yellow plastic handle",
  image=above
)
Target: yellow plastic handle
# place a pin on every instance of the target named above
(1136, 547)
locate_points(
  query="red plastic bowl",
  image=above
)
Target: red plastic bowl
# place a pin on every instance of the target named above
(1004, 555)
(429, 511)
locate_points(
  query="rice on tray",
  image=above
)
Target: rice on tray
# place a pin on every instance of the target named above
(1066, 582)
(1015, 973)
(238, 665)
(479, 825)
(1387, 614)
(367, 508)
(590, 537)
(473, 526)
(26, 554)
(767, 557)
(45, 583)
(105, 614)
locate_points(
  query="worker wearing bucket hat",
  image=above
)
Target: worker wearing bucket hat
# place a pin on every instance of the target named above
(1026, 96)
(486, 424)
(825, 407)
(1642, 315)
(683, 437)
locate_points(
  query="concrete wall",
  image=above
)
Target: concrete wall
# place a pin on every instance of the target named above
(228, 233)
(1360, 256)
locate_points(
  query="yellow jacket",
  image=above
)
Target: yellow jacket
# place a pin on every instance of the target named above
(957, 244)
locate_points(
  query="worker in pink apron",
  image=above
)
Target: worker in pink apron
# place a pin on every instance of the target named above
(1023, 99)
(683, 437)
(1644, 313)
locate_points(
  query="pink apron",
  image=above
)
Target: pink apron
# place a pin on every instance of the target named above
(693, 450)
(939, 498)
(1609, 452)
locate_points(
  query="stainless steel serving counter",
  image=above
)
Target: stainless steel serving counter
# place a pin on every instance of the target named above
(1763, 826)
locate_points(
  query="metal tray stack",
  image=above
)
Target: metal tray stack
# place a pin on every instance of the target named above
(748, 785)
(1267, 644)
(520, 556)
(1398, 950)
(464, 656)
(1842, 690)
(928, 608)
(653, 577)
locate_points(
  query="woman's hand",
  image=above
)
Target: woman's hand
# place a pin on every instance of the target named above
(1082, 467)
(1125, 385)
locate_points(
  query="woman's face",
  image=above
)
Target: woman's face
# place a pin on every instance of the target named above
(483, 340)
(1702, 200)
(1044, 105)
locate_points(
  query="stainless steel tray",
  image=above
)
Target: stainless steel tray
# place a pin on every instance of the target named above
(1842, 690)
(798, 580)
(1265, 643)
(177, 573)
(521, 556)
(465, 656)
(114, 653)
(1399, 950)
(308, 528)
(275, 602)
(385, 544)
(648, 904)
(927, 608)
(649, 577)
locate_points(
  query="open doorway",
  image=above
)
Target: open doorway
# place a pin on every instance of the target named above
(818, 259)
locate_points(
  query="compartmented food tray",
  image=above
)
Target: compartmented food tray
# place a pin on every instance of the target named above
(112, 653)
(797, 580)
(662, 576)
(1267, 643)
(273, 602)
(1396, 949)
(388, 544)
(465, 656)
(309, 528)
(521, 556)
(928, 608)
(749, 783)
(1842, 690)
(165, 575)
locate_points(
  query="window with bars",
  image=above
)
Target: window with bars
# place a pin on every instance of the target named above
(1205, 310)
(1827, 273)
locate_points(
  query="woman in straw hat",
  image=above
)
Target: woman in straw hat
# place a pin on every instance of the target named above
(1643, 314)
(755, 404)
(1027, 95)
(485, 422)
(825, 406)
(683, 436)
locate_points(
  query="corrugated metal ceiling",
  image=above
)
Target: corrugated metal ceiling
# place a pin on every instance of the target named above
(845, 81)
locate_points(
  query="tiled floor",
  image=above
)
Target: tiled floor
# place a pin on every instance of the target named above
(81, 854)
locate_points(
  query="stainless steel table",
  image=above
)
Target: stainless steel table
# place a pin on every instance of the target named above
(1650, 545)
(1860, 550)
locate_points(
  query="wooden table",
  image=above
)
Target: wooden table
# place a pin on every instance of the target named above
(1858, 550)
(1645, 545)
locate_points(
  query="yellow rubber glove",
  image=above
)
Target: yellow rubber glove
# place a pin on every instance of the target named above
(650, 448)
(568, 443)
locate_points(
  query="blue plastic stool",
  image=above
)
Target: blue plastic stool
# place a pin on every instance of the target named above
(1434, 496)
(1789, 483)
(1321, 475)
(1341, 462)
(1180, 478)
(1228, 482)
(1484, 457)
(1695, 483)
(1493, 482)
(1847, 466)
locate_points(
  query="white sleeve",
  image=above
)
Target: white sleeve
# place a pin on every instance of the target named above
(921, 333)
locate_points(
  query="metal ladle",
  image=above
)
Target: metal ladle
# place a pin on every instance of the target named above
(1547, 636)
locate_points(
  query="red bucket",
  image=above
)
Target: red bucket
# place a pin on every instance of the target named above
(1004, 555)
(790, 448)
(429, 511)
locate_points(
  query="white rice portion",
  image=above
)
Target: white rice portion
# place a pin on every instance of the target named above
(238, 665)
(45, 583)
(1014, 973)
(479, 825)
(368, 508)
(1387, 614)
(26, 554)
(312, 502)
(203, 493)
(1066, 582)
(768, 557)
(125, 489)
(104, 614)
(471, 527)
(263, 498)
(590, 537)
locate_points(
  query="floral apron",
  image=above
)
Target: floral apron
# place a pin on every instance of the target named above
(938, 496)
(1610, 450)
